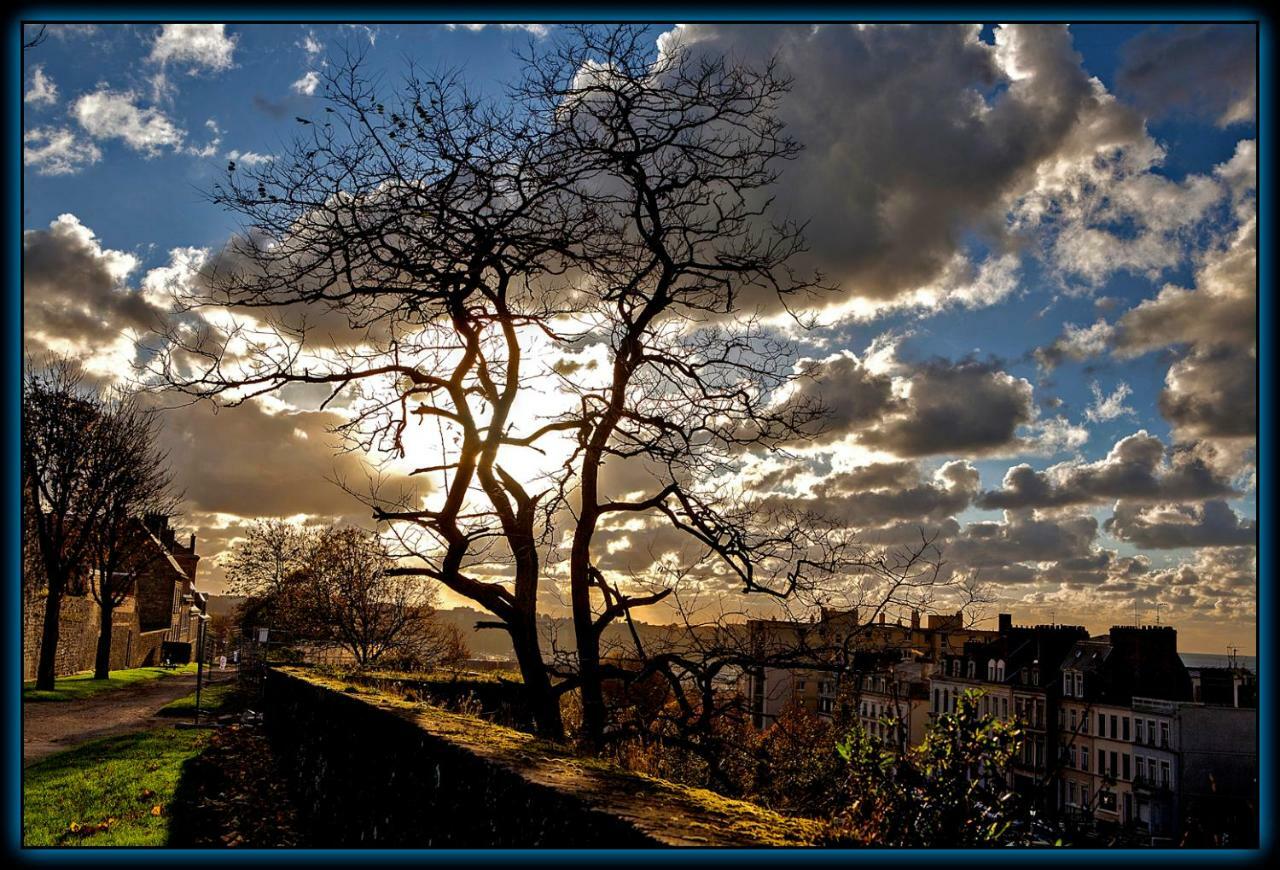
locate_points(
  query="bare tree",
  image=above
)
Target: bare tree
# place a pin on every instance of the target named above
(40, 35)
(368, 608)
(73, 452)
(428, 256)
(138, 483)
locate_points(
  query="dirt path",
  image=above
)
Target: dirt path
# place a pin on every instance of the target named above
(54, 726)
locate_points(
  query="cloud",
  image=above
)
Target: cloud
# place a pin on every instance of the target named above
(875, 106)
(249, 158)
(538, 30)
(1212, 524)
(1210, 389)
(57, 151)
(1076, 343)
(849, 393)
(251, 463)
(1000, 549)
(199, 47)
(74, 290)
(41, 91)
(965, 407)
(1109, 407)
(1202, 70)
(106, 114)
(308, 84)
(878, 494)
(1134, 469)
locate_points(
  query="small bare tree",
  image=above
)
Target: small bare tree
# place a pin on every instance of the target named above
(75, 448)
(140, 483)
(360, 600)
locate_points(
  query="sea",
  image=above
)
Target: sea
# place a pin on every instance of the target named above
(1214, 660)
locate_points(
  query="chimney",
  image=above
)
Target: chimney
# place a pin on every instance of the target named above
(915, 620)
(882, 617)
(1006, 622)
(191, 545)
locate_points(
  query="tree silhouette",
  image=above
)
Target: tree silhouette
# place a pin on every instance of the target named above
(442, 258)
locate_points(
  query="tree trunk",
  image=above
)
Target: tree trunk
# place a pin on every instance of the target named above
(102, 661)
(49, 638)
(593, 709)
(543, 703)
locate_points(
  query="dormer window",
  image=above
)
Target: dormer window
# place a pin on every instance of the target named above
(991, 670)
(973, 669)
(1000, 671)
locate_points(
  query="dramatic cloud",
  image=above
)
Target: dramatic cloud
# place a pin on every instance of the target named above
(199, 47)
(875, 495)
(1205, 70)
(875, 105)
(1134, 469)
(1160, 527)
(57, 151)
(106, 114)
(41, 91)
(74, 290)
(1000, 549)
(850, 395)
(248, 462)
(965, 407)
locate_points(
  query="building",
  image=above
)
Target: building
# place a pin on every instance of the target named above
(154, 621)
(1099, 727)
(834, 652)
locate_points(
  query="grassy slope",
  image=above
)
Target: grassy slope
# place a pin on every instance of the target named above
(83, 685)
(106, 793)
(213, 699)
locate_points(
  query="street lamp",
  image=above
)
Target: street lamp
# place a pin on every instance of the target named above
(197, 614)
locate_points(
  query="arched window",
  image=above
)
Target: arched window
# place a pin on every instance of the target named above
(991, 670)
(973, 669)
(1000, 671)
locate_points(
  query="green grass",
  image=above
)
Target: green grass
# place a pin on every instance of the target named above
(106, 793)
(78, 686)
(213, 699)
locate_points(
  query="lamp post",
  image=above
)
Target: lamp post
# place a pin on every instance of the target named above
(197, 614)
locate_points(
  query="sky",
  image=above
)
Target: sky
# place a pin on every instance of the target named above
(1043, 345)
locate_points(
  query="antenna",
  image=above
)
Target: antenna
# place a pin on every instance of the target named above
(1158, 606)
(1231, 656)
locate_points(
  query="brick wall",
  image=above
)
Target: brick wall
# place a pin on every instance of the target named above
(77, 634)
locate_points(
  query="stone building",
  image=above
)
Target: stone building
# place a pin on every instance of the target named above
(155, 612)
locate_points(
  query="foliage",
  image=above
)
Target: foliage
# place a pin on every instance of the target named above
(951, 791)
(110, 792)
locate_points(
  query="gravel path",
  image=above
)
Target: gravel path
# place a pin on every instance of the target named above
(55, 726)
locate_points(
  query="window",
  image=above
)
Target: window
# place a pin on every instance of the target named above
(1166, 777)
(1124, 728)
(1066, 682)
(973, 669)
(1164, 734)
(1124, 765)
(1071, 793)
(1073, 720)
(1139, 730)
(1084, 721)
(1071, 754)
(1000, 671)
(1151, 732)
(1102, 725)
(1140, 768)
(1114, 729)
(1113, 765)
(1004, 707)
(1084, 759)
(1079, 685)
(1102, 762)
(937, 695)
(1107, 801)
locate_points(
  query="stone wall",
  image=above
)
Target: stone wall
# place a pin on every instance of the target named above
(369, 769)
(77, 634)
